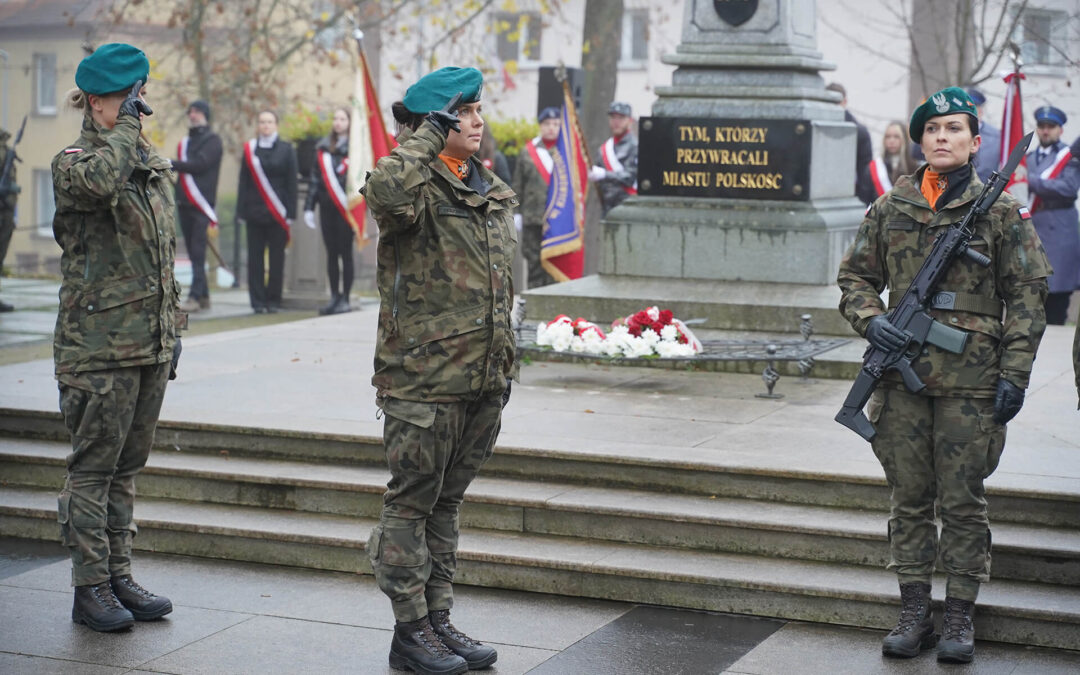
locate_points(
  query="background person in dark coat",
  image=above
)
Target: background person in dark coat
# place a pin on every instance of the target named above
(265, 232)
(864, 150)
(1053, 210)
(336, 231)
(988, 158)
(203, 163)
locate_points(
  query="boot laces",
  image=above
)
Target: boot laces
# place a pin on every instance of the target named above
(134, 587)
(426, 636)
(912, 609)
(957, 619)
(103, 593)
(444, 620)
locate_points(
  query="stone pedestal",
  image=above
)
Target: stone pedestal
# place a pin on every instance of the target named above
(758, 69)
(305, 264)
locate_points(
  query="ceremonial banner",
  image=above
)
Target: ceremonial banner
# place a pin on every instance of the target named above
(368, 143)
(1012, 130)
(562, 250)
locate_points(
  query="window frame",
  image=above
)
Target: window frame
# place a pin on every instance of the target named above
(626, 46)
(41, 61)
(43, 188)
(1054, 44)
(526, 36)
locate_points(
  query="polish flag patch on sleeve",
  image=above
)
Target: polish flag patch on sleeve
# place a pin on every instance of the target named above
(1024, 213)
(68, 151)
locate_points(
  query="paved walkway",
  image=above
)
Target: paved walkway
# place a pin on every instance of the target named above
(313, 374)
(245, 618)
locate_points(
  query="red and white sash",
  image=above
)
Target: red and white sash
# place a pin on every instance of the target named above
(1052, 171)
(270, 198)
(612, 163)
(333, 187)
(191, 190)
(541, 158)
(879, 173)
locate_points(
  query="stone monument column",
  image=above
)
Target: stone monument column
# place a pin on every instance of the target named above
(746, 165)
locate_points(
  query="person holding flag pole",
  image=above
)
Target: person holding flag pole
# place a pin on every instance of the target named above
(562, 250)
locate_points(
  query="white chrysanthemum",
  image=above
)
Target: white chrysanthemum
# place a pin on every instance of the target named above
(638, 347)
(592, 343)
(650, 337)
(669, 333)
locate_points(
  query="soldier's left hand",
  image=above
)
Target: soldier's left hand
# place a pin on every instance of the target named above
(177, 348)
(1008, 401)
(506, 394)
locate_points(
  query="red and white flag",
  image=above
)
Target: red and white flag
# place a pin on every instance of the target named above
(369, 142)
(1012, 130)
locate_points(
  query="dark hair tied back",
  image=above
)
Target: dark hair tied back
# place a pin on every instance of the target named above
(406, 117)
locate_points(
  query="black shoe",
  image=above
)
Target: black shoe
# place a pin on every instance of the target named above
(271, 309)
(958, 632)
(329, 308)
(259, 309)
(914, 631)
(475, 653)
(416, 647)
(5, 307)
(342, 305)
(144, 605)
(97, 607)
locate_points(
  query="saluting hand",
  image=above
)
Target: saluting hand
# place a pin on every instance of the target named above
(447, 119)
(133, 105)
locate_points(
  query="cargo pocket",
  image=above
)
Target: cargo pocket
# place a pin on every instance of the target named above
(875, 407)
(409, 435)
(88, 405)
(398, 546)
(995, 435)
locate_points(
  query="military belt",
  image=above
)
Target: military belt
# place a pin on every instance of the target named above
(957, 302)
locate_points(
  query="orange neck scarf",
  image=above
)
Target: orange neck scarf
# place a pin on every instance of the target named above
(932, 186)
(460, 167)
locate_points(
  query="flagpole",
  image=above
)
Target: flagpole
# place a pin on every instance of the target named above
(358, 35)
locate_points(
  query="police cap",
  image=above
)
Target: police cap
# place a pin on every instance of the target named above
(1049, 113)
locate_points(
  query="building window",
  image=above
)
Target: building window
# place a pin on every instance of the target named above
(45, 84)
(635, 39)
(517, 37)
(1042, 35)
(44, 204)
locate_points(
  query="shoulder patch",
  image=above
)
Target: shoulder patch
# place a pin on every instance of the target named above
(1025, 214)
(68, 151)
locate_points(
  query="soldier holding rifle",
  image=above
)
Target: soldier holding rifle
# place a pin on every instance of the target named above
(939, 421)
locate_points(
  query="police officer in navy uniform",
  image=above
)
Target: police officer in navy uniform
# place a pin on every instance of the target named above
(988, 158)
(1053, 181)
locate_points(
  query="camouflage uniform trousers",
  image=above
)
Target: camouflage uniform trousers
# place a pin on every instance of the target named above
(434, 450)
(111, 415)
(937, 449)
(531, 245)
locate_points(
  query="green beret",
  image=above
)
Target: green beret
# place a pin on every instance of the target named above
(111, 68)
(948, 101)
(434, 90)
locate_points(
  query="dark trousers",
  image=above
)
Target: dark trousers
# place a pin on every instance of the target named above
(263, 237)
(193, 224)
(1057, 308)
(338, 238)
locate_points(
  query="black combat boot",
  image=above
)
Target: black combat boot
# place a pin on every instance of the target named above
(144, 605)
(476, 654)
(958, 632)
(97, 607)
(416, 647)
(914, 631)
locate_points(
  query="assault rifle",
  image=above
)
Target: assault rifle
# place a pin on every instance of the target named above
(6, 186)
(911, 315)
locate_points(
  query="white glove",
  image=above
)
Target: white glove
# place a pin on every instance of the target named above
(597, 173)
(309, 219)
(518, 222)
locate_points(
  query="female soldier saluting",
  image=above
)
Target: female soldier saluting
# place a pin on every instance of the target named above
(444, 355)
(116, 330)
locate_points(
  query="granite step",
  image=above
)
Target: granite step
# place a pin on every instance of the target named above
(759, 527)
(705, 472)
(1009, 611)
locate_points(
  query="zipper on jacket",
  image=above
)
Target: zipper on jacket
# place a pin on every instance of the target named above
(397, 284)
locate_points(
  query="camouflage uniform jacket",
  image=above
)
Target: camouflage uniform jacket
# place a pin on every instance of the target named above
(894, 239)
(531, 188)
(444, 276)
(115, 221)
(8, 201)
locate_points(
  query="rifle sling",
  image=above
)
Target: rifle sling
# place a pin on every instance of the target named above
(957, 302)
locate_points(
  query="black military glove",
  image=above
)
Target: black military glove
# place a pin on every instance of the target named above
(1075, 148)
(883, 335)
(447, 119)
(506, 394)
(1008, 401)
(177, 348)
(133, 105)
